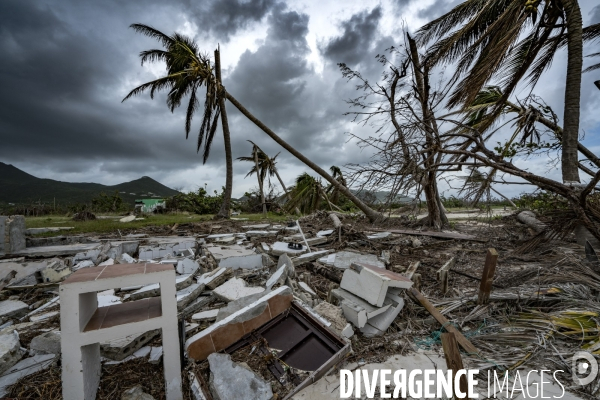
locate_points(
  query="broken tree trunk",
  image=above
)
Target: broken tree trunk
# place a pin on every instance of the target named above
(333, 276)
(488, 276)
(528, 218)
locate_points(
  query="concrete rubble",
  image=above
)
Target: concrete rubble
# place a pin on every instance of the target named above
(234, 289)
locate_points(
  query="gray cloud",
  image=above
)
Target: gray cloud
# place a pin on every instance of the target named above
(437, 9)
(595, 15)
(359, 33)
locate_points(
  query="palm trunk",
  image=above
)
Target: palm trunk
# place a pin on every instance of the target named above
(260, 182)
(224, 212)
(287, 194)
(369, 212)
(570, 170)
(504, 197)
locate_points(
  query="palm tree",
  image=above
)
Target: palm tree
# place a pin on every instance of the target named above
(257, 157)
(337, 174)
(267, 166)
(187, 72)
(308, 193)
(504, 39)
(186, 65)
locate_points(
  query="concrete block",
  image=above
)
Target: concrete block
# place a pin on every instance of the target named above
(371, 283)
(229, 330)
(229, 380)
(12, 309)
(280, 248)
(234, 289)
(46, 343)
(235, 257)
(135, 393)
(10, 350)
(379, 324)
(119, 349)
(119, 248)
(24, 368)
(13, 234)
(357, 310)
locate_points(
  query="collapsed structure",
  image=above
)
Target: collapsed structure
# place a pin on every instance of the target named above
(279, 310)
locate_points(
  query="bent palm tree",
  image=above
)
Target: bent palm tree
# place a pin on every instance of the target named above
(257, 157)
(267, 165)
(504, 39)
(308, 193)
(337, 174)
(187, 72)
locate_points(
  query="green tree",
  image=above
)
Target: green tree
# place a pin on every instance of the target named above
(188, 71)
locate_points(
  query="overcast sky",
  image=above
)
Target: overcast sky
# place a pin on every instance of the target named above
(67, 64)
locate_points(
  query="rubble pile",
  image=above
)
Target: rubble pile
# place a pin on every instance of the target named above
(274, 309)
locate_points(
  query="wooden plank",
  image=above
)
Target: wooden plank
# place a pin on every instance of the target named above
(435, 234)
(454, 362)
(412, 268)
(485, 288)
(462, 340)
(444, 272)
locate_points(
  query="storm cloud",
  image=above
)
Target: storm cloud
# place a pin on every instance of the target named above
(67, 65)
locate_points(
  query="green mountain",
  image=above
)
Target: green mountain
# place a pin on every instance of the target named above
(19, 187)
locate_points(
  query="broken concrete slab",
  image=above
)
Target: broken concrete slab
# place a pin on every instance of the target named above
(12, 309)
(187, 295)
(121, 348)
(304, 286)
(356, 310)
(12, 234)
(256, 226)
(344, 259)
(236, 305)
(46, 343)
(214, 278)
(234, 289)
(309, 257)
(143, 352)
(324, 233)
(37, 231)
(55, 272)
(135, 393)
(83, 264)
(371, 283)
(165, 247)
(10, 350)
(229, 380)
(235, 257)
(181, 282)
(280, 248)
(278, 278)
(187, 266)
(25, 368)
(156, 354)
(260, 234)
(229, 330)
(208, 315)
(379, 235)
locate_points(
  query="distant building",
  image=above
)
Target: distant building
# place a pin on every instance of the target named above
(150, 205)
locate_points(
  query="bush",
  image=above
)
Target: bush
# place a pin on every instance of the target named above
(541, 201)
(196, 202)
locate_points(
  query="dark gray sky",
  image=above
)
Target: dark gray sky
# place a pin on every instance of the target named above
(67, 64)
